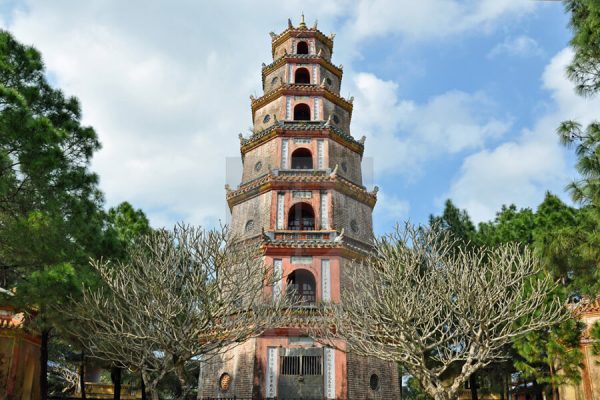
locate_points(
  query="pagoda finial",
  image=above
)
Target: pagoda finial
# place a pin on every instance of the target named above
(302, 23)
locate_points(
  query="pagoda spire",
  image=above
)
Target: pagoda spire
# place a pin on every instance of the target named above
(302, 23)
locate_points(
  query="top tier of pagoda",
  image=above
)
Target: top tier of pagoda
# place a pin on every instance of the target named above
(302, 85)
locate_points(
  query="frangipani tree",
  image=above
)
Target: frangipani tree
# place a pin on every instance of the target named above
(181, 294)
(441, 311)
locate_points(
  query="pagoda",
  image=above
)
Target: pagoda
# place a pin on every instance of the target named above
(303, 201)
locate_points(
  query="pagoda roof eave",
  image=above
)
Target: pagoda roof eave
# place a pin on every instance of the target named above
(280, 127)
(298, 32)
(267, 69)
(270, 181)
(301, 90)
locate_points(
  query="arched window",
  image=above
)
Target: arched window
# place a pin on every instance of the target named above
(302, 48)
(302, 159)
(301, 217)
(302, 112)
(301, 287)
(302, 76)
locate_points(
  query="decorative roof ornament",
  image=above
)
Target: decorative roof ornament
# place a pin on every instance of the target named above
(332, 35)
(315, 24)
(228, 188)
(323, 82)
(341, 66)
(252, 98)
(273, 35)
(362, 140)
(375, 190)
(351, 99)
(334, 172)
(328, 122)
(319, 52)
(264, 65)
(290, 26)
(339, 237)
(241, 138)
(302, 23)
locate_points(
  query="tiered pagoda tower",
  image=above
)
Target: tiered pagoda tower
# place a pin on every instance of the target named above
(302, 198)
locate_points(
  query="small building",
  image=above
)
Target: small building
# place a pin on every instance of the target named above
(589, 387)
(19, 356)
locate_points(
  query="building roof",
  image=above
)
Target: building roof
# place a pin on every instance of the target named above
(262, 136)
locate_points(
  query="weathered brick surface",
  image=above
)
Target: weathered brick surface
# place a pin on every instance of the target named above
(360, 370)
(257, 209)
(239, 363)
(335, 81)
(267, 154)
(343, 115)
(341, 155)
(346, 209)
(274, 108)
(274, 79)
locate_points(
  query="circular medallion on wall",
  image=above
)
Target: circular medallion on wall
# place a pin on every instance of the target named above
(374, 382)
(336, 119)
(258, 166)
(274, 80)
(249, 226)
(344, 166)
(225, 382)
(328, 81)
(354, 226)
(267, 118)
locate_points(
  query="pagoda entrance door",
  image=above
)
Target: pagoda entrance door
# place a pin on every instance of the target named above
(301, 373)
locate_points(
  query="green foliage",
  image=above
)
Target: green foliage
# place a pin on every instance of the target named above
(562, 238)
(50, 206)
(585, 191)
(552, 357)
(585, 23)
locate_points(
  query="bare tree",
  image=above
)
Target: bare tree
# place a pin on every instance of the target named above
(441, 311)
(183, 293)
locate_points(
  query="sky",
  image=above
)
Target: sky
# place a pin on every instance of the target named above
(458, 99)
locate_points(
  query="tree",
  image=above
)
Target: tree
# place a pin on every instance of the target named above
(178, 295)
(584, 70)
(50, 207)
(421, 303)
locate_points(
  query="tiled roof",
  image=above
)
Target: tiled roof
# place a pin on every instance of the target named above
(270, 180)
(302, 126)
(266, 69)
(10, 319)
(303, 90)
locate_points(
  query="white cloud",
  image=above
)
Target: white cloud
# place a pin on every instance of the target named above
(402, 134)
(166, 86)
(520, 46)
(520, 171)
(428, 19)
(390, 210)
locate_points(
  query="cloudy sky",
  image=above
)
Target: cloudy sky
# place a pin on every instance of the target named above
(458, 99)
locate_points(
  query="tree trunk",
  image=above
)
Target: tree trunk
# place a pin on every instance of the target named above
(143, 387)
(82, 376)
(44, 364)
(115, 375)
(199, 394)
(473, 386)
(180, 372)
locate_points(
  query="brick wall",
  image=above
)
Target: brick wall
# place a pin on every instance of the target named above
(267, 154)
(360, 370)
(239, 363)
(339, 154)
(257, 209)
(346, 209)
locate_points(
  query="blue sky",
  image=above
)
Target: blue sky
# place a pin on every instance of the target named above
(458, 98)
